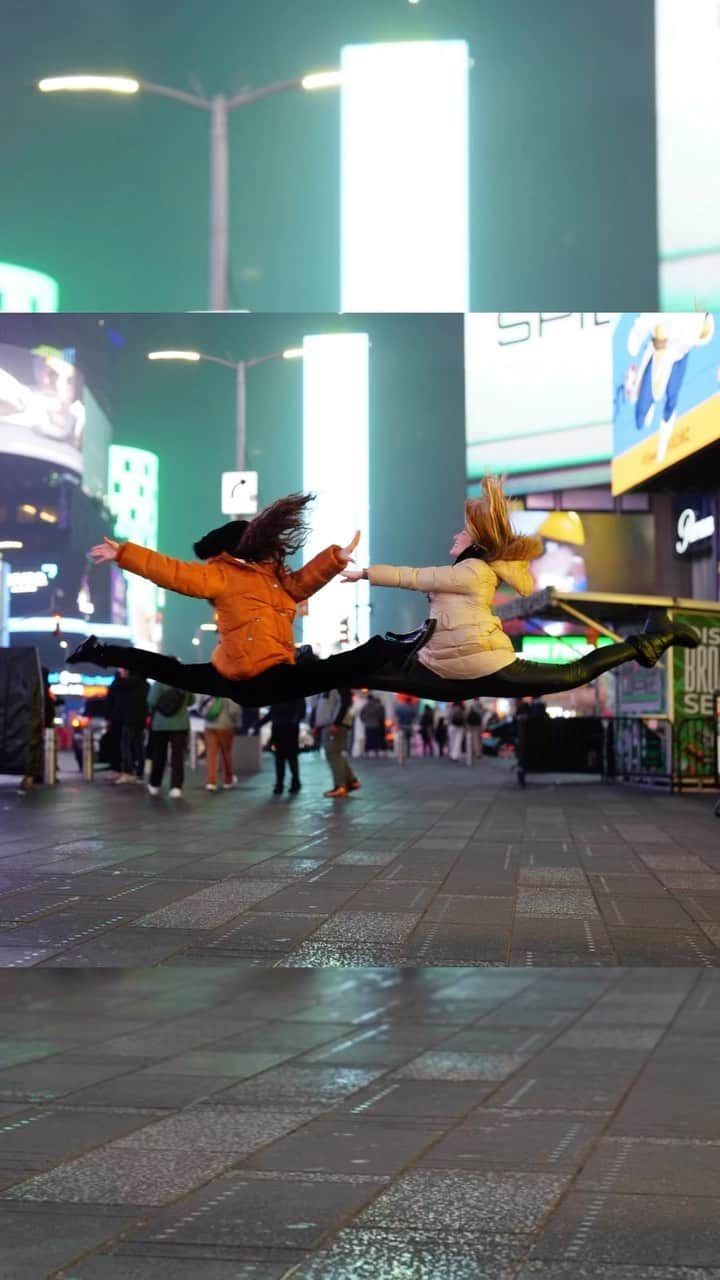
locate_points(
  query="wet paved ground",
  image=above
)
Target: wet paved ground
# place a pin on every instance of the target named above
(378, 1125)
(429, 864)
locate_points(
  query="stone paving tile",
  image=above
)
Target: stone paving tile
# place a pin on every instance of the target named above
(294, 1086)
(658, 1167)
(214, 906)
(215, 1129)
(556, 902)
(474, 1204)
(113, 1176)
(120, 1267)
(645, 1230)
(634, 911)
(663, 948)
(375, 1255)
(601, 1271)
(252, 1209)
(516, 1141)
(34, 1245)
(448, 1065)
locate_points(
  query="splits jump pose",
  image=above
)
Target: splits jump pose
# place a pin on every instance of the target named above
(460, 653)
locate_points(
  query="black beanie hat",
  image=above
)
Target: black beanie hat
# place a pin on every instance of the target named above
(225, 538)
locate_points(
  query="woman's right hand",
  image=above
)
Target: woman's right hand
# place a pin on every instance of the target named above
(353, 575)
(105, 550)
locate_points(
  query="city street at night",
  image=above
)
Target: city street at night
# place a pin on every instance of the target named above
(429, 863)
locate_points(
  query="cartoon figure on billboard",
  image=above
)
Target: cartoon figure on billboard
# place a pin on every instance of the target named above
(660, 345)
(562, 564)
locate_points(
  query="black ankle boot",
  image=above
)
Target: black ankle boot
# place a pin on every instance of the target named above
(91, 650)
(652, 644)
(412, 642)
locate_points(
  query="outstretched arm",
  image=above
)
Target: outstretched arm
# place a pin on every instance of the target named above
(320, 570)
(459, 578)
(187, 577)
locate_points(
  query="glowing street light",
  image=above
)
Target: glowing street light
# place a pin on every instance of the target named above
(241, 367)
(219, 108)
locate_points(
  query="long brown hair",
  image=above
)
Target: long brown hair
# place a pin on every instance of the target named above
(277, 532)
(488, 523)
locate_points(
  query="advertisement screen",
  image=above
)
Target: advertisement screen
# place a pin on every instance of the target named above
(42, 414)
(687, 61)
(538, 390)
(595, 551)
(667, 391)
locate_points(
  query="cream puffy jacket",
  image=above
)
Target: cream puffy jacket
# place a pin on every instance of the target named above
(468, 641)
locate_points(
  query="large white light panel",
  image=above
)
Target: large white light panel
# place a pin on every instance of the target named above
(404, 177)
(336, 468)
(687, 63)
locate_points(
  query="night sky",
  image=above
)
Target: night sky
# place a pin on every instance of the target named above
(186, 413)
(110, 195)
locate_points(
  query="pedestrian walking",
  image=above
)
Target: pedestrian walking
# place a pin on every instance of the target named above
(170, 729)
(406, 714)
(456, 730)
(130, 708)
(427, 729)
(285, 719)
(441, 735)
(475, 720)
(333, 716)
(221, 716)
(373, 717)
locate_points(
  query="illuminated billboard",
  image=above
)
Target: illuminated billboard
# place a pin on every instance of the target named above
(667, 391)
(42, 414)
(687, 63)
(538, 390)
(592, 551)
(133, 499)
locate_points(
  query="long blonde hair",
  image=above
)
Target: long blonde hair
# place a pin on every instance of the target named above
(488, 522)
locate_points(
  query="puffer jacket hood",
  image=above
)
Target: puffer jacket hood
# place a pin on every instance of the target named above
(516, 573)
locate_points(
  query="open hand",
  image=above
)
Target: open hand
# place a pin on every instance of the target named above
(105, 550)
(346, 553)
(352, 575)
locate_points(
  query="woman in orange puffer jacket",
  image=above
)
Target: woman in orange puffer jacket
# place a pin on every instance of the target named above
(255, 596)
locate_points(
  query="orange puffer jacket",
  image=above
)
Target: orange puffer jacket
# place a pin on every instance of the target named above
(255, 605)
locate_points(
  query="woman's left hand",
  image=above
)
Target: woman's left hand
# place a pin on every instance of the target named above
(346, 553)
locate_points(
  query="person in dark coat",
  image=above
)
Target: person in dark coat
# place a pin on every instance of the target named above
(131, 710)
(285, 719)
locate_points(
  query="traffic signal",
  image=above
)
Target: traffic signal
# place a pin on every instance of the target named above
(345, 631)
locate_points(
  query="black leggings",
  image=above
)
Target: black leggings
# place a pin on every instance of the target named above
(373, 665)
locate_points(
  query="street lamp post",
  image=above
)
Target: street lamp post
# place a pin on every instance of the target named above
(241, 367)
(219, 108)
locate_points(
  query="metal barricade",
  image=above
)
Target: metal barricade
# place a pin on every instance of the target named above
(638, 749)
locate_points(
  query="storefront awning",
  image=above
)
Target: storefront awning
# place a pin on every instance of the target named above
(598, 610)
